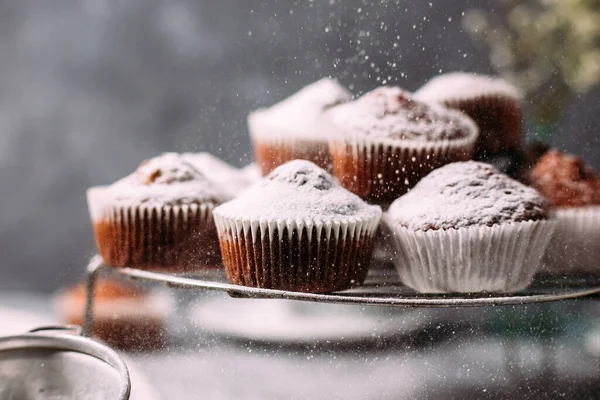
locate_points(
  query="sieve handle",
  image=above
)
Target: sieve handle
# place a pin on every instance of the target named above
(75, 329)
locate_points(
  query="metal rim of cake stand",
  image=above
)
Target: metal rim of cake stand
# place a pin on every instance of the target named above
(376, 296)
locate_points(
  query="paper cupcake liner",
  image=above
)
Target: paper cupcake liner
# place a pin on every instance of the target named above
(269, 154)
(175, 238)
(575, 245)
(499, 120)
(384, 171)
(501, 258)
(300, 256)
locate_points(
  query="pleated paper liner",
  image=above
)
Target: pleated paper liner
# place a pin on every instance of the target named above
(269, 154)
(575, 245)
(168, 238)
(501, 258)
(298, 256)
(383, 171)
(499, 120)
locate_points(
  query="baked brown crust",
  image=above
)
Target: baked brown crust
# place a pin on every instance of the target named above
(565, 180)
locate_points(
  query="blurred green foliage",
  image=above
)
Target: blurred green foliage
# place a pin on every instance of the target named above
(548, 48)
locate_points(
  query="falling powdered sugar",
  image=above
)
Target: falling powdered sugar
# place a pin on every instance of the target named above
(466, 194)
(392, 114)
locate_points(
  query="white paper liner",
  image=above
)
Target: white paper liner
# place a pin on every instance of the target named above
(501, 258)
(385, 169)
(153, 237)
(303, 255)
(575, 244)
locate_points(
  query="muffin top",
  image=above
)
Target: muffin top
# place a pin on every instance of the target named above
(298, 191)
(462, 85)
(466, 194)
(228, 178)
(298, 114)
(166, 180)
(392, 114)
(565, 180)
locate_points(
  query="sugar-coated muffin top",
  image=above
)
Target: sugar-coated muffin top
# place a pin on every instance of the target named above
(392, 114)
(228, 178)
(466, 194)
(298, 191)
(462, 85)
(160, 181)
(565, 180)
(298, 114)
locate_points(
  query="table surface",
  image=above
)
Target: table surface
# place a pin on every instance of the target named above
(538, 351)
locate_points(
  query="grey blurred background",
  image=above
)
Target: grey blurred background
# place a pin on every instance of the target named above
(90, 88)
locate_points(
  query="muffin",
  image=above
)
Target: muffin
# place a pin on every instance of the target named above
(252, 173)
(573, 191)
(226, 177)
(289, 130)
(158, 218)
(493, 103)
(386, 141)
(124, 316)
(468, 228)
(297, 230)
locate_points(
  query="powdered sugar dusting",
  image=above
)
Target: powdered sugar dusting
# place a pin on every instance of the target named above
(461, 85)
(466, 194)
(252, 172)
(390, 113)
(164, 180)
(298, 191)
(298, 114)
(228, 178)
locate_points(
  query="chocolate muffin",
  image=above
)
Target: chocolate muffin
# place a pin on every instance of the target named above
(297, 230)
(158, 218)
(468, 228)
(386, 141)
(289, 130)
(125, 316)
(573, 190)
(493, 103)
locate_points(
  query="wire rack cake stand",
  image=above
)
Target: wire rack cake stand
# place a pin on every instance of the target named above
(380, 289)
